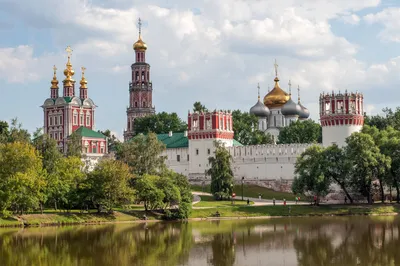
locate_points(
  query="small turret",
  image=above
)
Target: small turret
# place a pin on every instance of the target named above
(54, 85)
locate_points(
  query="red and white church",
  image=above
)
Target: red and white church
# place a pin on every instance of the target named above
(68, 113)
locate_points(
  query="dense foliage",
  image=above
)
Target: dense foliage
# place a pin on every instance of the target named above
(221, 172)
(159, 123)
(35, 175)
(306, 131)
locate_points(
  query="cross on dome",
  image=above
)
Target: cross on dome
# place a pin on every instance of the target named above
(140, 26)
(69, 50)
(276, 68)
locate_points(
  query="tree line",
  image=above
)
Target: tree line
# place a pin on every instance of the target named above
(367, 166)
(35, 175)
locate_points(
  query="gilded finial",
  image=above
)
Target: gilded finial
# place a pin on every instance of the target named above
(290, 88)
(83, 80)
(54, 82)
(258, 87)
(298, 93)
(140, 45)
(68, 71)
(276, 69)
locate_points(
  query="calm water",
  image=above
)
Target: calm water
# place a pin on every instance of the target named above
(296, 241)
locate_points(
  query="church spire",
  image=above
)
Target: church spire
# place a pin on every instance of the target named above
(298, 94)
(69, 72)
(54, 85)
(83, 87)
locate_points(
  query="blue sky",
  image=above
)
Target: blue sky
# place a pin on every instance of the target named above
(210, 51)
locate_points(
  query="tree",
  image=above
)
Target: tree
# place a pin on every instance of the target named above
(221, 172)
(17, 133)
(74, 145)
(301, 132)
(109, 184)
(148, 192)
(114, 145)
(245, 129)
(337, 167)
(21, 177)
(47, 147)
(142, 154)
(389, 118)
(309, 172)
(367, 162)
(198, 107)
(159, 123)
(4, 132)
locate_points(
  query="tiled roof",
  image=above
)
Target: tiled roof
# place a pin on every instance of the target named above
(236, 143)
(86, 132)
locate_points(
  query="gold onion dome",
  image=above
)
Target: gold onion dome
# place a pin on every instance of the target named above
(68, 71)
(54, 82)
(276, 97)
(140, 45)
(83, 81)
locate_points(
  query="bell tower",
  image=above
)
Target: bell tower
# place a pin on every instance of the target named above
(140, 88)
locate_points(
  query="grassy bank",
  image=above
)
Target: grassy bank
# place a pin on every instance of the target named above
(251, 191)
(209, 201)
(296, 210)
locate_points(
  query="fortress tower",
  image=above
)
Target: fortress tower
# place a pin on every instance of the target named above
(203, 130)
(340, 116)
(140, 88)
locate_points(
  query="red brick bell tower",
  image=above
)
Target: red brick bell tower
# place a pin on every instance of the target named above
(140, 88)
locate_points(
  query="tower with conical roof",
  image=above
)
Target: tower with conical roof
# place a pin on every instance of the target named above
(140, 88)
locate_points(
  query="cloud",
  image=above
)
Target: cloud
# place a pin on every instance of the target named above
(388, 18)
(352, 19)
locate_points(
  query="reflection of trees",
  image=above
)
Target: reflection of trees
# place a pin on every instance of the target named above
(99, 245)
(365, 242)
(223, 250)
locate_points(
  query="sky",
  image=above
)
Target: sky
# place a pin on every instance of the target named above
(199, 50)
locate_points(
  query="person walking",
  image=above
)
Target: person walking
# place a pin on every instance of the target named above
(284, 202)
(273, 201)
(296, 200)
(248, 202)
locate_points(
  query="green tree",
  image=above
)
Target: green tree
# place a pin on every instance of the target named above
(17, 133)
(159, 123)
(143, 154)
(337, 167)
(368, 163)
(221, 172)
(301, 132)
(245, 129)
(47, 148)
(171, 192)
(4, 132)
(389, 118)
(310, 177)
(148, 192)
(109, 184)
(74, 145)
(21, 177)
(114, 145)
(198, 107)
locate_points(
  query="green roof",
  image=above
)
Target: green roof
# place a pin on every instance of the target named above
(177, 140)
(236, 143)
(86, 132)
(67, 99)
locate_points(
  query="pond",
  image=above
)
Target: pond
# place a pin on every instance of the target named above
(289, 241)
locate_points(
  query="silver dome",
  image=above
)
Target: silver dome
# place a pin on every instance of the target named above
(291, 108)
(304, 114)
(259, 110)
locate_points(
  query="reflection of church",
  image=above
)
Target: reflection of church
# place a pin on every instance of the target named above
(278, 109)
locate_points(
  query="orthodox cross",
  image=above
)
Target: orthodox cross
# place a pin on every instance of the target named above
(55, 69)
(290, 87)
(258, 87)
(83, 70)
(276, 68)
(69, 50)
(140, 26)
(298, 93)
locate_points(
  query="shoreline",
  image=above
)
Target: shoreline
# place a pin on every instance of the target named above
(19, 223)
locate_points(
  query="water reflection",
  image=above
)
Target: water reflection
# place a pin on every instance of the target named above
(299, 241)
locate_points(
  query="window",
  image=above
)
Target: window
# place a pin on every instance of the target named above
(101, 149)
(60, 120)
(137, 75)
(188, 157)
(60, 136)
(86, 149)
(178, 158)
(148, 76)
(197, 151)
(75, 119)
(274, 121)
(144, 104)
(135, 104)
(142, 75)
(50, 121)
(208, 151)
(88, 120)
(51, 135)
(81, 120)
(94, 148)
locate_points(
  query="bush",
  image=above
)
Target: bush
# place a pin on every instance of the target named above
(183, 212)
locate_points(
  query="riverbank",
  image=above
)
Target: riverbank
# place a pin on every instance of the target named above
(232, 212)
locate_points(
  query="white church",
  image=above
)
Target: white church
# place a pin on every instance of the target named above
(270, 166)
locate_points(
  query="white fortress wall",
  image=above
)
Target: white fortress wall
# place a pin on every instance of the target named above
(178, 160)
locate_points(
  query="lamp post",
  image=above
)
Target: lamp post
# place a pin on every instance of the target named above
(242, 186)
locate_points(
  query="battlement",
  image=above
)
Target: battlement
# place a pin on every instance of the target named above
(269, 150)
(210, 125)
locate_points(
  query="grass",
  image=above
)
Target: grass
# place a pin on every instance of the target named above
(252, 191)
(209, 201)
(297, 210)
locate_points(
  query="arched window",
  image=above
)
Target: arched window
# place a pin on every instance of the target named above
(137, 75)
(274, 121)
(142, 84)
(142, 75)
(144, 104)
(135, 104)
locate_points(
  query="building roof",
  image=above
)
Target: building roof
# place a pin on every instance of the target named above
(179, 140)
(86, 132)
(236, 143)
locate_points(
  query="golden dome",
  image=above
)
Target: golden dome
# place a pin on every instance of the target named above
(276, 97)
(140, 45)
(54, 82)
(83, 81)
(68, 71)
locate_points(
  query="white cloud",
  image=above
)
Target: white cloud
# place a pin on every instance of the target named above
(352, 19)
(389, 19)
